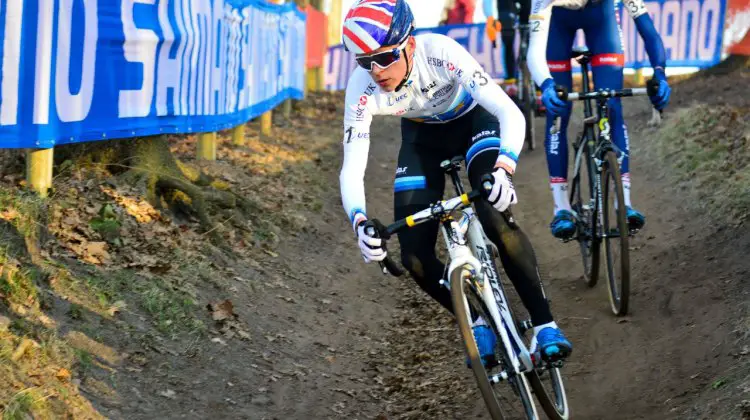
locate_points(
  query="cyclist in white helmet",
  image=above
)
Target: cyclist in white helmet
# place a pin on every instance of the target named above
(449, 106)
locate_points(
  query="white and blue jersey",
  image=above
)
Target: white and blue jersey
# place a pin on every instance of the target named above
(445, 84)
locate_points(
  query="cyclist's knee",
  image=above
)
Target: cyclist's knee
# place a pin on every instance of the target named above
(413, 263)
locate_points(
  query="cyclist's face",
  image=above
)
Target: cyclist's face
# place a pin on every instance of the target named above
(388, 79)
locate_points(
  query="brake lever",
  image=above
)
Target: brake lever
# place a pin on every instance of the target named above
(376, 229)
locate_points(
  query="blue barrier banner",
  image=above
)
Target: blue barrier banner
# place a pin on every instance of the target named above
(83, 70)
(692, 32)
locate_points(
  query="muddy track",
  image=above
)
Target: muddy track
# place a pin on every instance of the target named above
(687, 282)
(331, 338)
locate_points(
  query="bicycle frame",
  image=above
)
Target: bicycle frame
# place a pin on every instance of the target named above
(592, 143)
(477, 254)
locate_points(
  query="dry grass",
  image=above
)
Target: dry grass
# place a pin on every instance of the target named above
(707, 149)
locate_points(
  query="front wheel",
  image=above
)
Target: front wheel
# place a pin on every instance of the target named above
(616, 236)
(514, 401)
(550, 392)
(590, 241)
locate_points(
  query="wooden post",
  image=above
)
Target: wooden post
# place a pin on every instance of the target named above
(287, 109)
(265, 123)
(39, 170)
(207, 146)
(638, 78)
(238, 135)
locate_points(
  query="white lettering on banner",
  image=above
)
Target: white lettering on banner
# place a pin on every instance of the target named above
(233, 59)
(331, 66)
(43, 74)
(11, 62)
(214, 73)
(689, 29)
(247, 66)
(709, 29)
(168, 73)
(139, 47)
(670, 33)
(483, 55)
(191, 22)
(244, 60)
(183, 58)
(202, 35)
(691, 12)
(458, 34)
(75, 107)
(213, 80)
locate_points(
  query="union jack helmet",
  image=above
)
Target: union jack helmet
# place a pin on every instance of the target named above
(371, 24)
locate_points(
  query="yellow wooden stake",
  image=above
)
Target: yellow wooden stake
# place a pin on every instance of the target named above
(39, 170)
(238, 135)
(207, 146)
(265, 123)
(638, 79)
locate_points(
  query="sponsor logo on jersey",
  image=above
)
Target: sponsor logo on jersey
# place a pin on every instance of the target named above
(442, 91)
(429, 87)
(483, 134)
(351, 134)
(436, 62)
(393, 100)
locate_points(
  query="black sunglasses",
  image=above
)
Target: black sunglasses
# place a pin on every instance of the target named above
(383, 59)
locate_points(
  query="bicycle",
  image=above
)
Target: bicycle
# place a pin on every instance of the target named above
(476, 290)
(525, 86)
(601, 219)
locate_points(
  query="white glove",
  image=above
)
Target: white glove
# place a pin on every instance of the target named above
(371, 248)
(503, 193)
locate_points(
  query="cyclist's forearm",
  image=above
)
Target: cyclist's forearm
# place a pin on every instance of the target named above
(654, 45)
(512, 123)
(536, 57)
(351, 179)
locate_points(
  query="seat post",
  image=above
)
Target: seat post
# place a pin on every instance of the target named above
(452, 168)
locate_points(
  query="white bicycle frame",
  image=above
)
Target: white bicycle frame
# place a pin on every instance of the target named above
(487, 282)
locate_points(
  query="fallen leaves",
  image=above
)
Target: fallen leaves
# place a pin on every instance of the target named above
(9, 214)
(63, 374)
(95, 252)
(141, 210)
(221, 311)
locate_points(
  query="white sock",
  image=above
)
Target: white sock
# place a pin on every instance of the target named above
(538, 328)
(626, 188)
(478, 322)
(559, 187)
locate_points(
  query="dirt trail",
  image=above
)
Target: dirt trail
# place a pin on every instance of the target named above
(680, 338)
(328, 337)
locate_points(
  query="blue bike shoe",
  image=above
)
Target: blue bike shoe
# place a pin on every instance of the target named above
(563, 225)
(486, 342)
(636, 219)
(552, 345)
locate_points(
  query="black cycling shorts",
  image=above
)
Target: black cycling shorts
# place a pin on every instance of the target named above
(419, 178)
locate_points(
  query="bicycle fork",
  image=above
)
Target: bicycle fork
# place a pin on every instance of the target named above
(484, 273)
